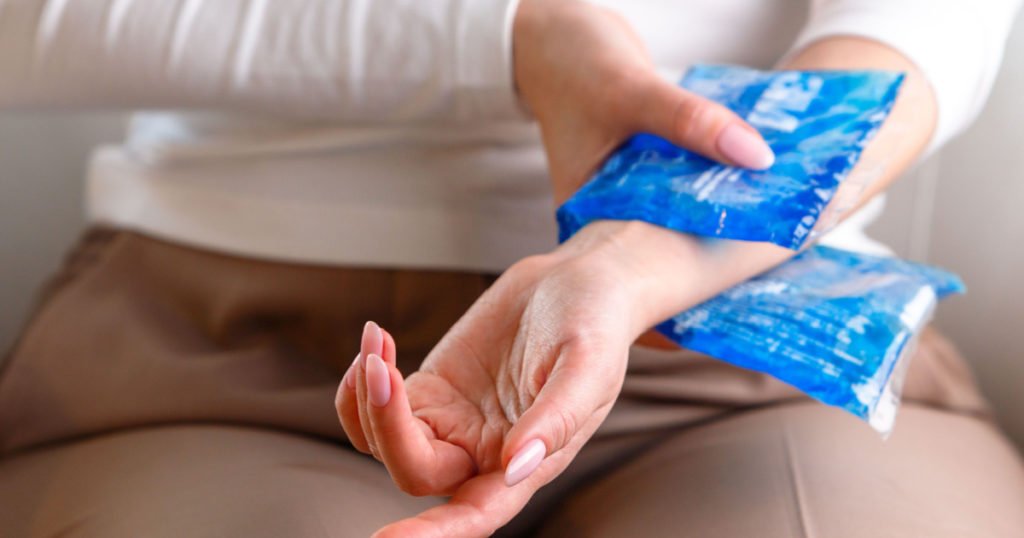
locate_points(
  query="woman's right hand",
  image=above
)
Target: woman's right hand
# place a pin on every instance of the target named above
(512, 392)
(590, 82)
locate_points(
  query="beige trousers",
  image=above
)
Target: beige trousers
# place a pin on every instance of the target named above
(161, 391)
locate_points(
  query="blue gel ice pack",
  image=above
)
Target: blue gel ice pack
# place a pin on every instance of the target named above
(837, 325)
(817, 122)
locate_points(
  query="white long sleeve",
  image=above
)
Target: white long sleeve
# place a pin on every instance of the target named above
(353, 60)
(957, 44)
(377, 182)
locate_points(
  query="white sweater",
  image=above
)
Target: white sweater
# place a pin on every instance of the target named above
(388, 132)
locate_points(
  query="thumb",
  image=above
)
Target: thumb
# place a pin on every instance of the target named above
(701, 125)
(567, 411)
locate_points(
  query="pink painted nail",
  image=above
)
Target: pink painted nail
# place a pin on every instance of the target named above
(378, 381)
(373, 339)
(745, 148)
(350, 376)
(525, 462)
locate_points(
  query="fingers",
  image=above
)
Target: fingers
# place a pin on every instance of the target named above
(701, 125)
(372, 344)
(348, 409)
(389, 353)
(418, 463)
(481, 506)
(376, 414)
(351, 411)
(568, 407)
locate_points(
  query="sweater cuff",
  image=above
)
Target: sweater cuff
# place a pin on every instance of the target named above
(485, 82)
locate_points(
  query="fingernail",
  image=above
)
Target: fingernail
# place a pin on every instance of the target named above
(525, 462)
(350, 377)
(745, 148)
(378, 381)
(373, 339)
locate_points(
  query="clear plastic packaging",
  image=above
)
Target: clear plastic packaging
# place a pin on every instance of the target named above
(817, 122)
(838, 325)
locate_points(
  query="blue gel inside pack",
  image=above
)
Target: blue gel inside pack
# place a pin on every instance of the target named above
(817, 122)
(832, 323)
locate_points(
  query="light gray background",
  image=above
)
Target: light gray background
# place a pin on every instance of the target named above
(961, 210)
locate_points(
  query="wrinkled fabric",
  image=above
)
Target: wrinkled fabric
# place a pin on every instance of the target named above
(817, 123)
(162, 390)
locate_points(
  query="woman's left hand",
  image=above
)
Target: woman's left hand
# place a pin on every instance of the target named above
(509, 396)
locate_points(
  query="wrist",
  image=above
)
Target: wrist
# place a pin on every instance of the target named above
(662, 271)
(665, 272)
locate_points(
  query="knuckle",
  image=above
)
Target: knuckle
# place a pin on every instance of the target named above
(530, 264)
(690, 115)
(360, 445)
(416, 490)
(563, 426)
(625, 85)
(339, 401)
(416, 486)
(584, 342)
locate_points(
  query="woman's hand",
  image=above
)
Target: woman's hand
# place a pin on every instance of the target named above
(590, 82)
(509, 396)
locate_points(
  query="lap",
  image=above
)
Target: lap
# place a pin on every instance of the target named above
(784, 471)
(126, 339)
(807, 470)
(198, 481)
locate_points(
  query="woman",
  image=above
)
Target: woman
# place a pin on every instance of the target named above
(352, 160)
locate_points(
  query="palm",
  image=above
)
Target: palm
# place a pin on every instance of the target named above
(540, 355)
(488, 370)
(459, 411)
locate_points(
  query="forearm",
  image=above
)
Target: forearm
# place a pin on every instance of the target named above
(675, 271)
(909, 127)
(349, 60)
